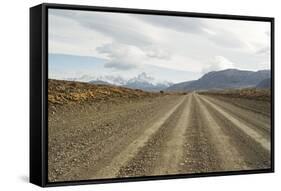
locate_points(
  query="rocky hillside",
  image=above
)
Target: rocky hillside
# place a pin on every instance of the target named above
(66, 92)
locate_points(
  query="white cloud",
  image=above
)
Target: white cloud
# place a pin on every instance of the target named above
(217, 63)
(121, 56)
(66, 36)
(249, 34)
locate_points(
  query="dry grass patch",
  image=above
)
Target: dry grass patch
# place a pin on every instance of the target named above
(65, 92)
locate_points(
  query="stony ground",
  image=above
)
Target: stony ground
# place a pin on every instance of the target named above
(156, 135)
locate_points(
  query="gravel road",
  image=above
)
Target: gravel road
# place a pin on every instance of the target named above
(171, 134)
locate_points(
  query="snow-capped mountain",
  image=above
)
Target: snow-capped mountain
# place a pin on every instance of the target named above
(148, 83)
(142, 81)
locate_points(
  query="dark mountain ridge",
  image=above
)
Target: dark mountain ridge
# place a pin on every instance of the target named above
(229, 78)
(264, 84)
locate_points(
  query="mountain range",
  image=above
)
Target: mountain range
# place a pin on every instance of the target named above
(224, 79)
(142, 81)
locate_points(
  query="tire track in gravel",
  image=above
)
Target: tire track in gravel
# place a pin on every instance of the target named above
(200, 154)
(260, 139)
(171, 160)
(164, 150)
(250, 153)
(253, 119)
(112, 169)
(261, 107)
(80, 153)
(207, 144)
(228, 157)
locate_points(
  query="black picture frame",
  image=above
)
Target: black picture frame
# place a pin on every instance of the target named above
(39, 92)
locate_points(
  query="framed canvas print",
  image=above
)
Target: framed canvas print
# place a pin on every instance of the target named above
(128, 94)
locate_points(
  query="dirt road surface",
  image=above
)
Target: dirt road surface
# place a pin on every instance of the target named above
(172, 134)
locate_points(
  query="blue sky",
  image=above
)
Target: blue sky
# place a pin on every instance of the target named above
(167, 48)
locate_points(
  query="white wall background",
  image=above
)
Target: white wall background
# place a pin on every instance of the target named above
(14, 96)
